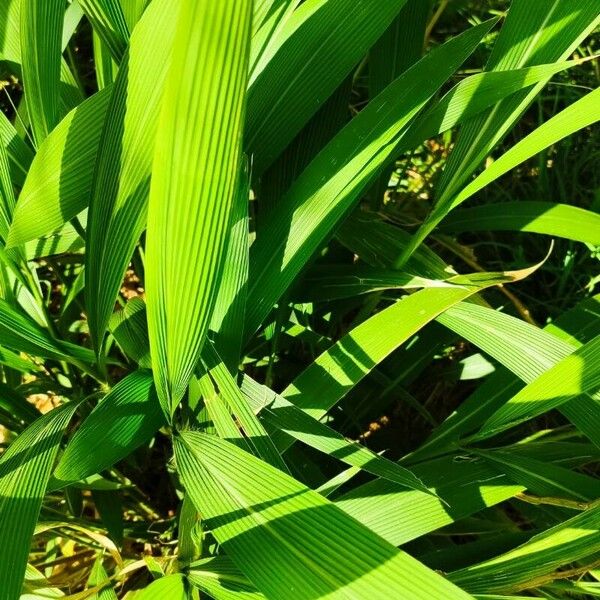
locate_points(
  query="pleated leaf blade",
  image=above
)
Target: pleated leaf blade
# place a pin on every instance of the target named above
(196, 163)
(290, 541)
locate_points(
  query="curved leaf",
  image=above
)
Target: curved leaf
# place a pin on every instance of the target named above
(126, 418)
(558, 220)
(59, 181)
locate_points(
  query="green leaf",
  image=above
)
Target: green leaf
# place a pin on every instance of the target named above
(269, 18)
(517, 356)
(580, 114)
(220, 579)
(543, 478)
(330, 186)
(129, 327)
(575, 375)
(64, 240)
(171, 587)
(468, 485)
(19, 153)
(335, 372)
(124, 163)
(193, 186)
(99, 577)
(400, 46)
(124, 420)
(289, 540)
(22, 334)
(24, 472)
(254, 433)
(557, 220)
(228, 315)
(41, 40)
(326, 40)
(510, 341)
(59, 181)
(570, 541)
(108, 20)
(284, 416)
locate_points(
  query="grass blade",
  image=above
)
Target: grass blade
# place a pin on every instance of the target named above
(548, 218)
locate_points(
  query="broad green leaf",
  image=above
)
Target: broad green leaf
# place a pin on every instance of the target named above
(16, 405)
(171, 587)
(193, 186)
(400, 46)
(37, 587)
(98, 577)
(133, 11)
(24, 472)
(327, 39)
(59, 181)
(269, 17)
(463, 484)
(19, 153)
(220, 579)
(330, 186)
(227, 319)
(65, 240)
(557, 220)
(41, 40)
(7, 195)
(108, 21)
(121, 181)
(568, 542)
(289, 540)
(189, 530)
(333, 114)
(106, 67)
(284, 416)
(575, 375)
(125, 419)
(10, 41)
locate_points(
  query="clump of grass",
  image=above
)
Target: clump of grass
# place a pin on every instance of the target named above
(280, 311)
